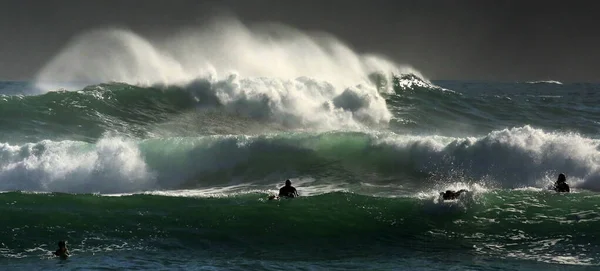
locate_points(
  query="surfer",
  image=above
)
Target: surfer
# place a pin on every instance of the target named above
(561, 184)
(62, 250)
(449, 194)
(288, 190)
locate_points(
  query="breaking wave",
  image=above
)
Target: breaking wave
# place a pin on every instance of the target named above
(511, 158)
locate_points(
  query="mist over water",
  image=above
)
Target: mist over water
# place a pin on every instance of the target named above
(215, 50)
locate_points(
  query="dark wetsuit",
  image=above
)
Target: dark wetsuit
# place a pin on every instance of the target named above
(288, 192)
(451, 194)
(63, 254)
(562, 187)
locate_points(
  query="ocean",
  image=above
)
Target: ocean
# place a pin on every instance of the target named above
(139, 163)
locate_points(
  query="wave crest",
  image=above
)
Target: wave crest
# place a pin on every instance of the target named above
(266, 72)
(550, 82)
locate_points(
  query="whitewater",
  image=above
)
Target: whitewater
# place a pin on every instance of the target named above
(160, 154)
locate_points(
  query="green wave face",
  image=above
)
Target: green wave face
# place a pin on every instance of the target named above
(247, 107)
(89, 113)
(500, 224)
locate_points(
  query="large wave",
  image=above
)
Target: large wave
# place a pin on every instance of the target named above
(268, 71)
(511, 158)
(263, 105)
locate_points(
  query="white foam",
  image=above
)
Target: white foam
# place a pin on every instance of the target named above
(294, 78)
(509, 158)
(110, 165)
(545, 82)
(302, 102)
(434, 193)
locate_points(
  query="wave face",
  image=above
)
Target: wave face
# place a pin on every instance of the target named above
(263, 105)
(339, 161)
(166, 147)
(546, 82)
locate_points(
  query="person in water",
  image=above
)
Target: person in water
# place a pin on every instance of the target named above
(62, 250)
(449, 194)
(561, 184)
(288, 191)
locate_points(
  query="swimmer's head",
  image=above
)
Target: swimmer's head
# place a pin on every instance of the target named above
(562, 178)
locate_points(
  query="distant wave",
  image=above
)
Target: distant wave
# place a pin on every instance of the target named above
(413, 82)
(545, 82)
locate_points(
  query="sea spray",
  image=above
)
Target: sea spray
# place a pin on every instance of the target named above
(279, 74)
(216, 50)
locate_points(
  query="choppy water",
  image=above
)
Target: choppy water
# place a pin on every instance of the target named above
(169, 169)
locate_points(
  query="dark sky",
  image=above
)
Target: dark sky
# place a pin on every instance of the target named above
(444, 39)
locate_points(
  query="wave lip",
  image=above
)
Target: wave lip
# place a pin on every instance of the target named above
(414, 82)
